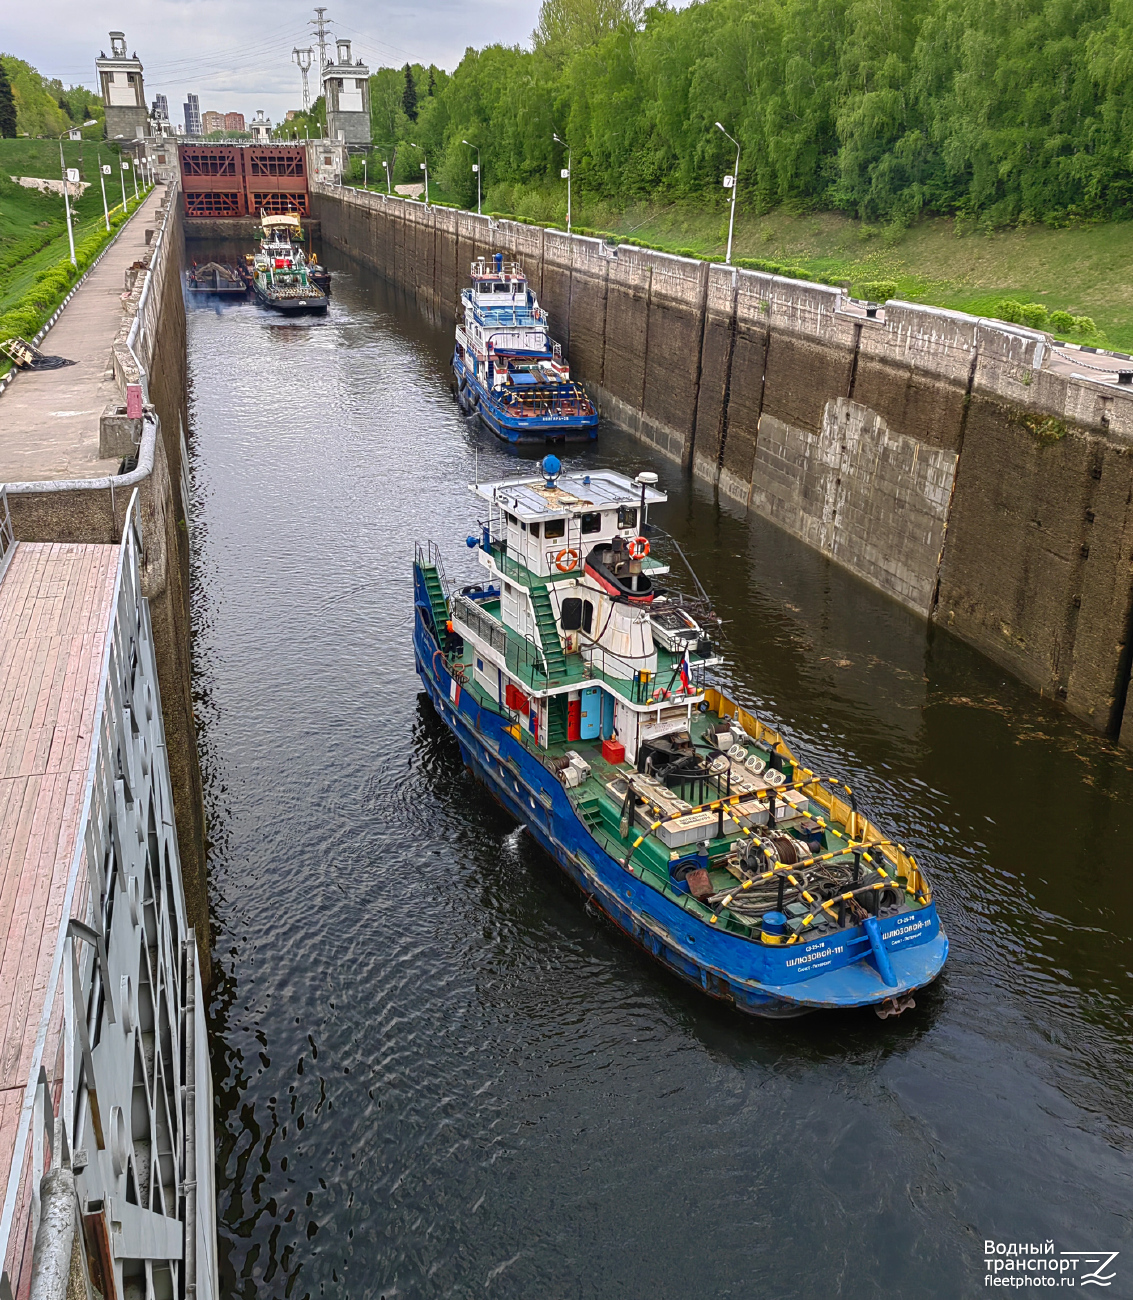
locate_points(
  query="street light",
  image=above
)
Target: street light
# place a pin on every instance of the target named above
(565, 174)
(476, 169)
(365, 173)
(103, 173)
(425, 169)
(72, 134)
(731, 183)
(389, 181)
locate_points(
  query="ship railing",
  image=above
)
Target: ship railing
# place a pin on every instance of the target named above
(824, 791)
(522, 656)
(512, 568)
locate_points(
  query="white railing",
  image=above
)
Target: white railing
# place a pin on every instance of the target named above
(123, 994)
(7, 540)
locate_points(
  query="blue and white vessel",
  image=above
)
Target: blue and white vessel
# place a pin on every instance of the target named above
(508, 370)
(577, 683)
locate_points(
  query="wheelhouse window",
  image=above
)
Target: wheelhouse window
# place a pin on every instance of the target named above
(554, 528)
(592, 522)
(627, 516)
(535, 529)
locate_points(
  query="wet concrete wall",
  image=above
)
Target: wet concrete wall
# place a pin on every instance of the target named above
(932, 454)
(94, 510)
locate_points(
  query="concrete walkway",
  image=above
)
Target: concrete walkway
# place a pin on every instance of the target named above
(49, 418)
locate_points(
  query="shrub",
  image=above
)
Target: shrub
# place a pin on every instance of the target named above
(1084, 325)
(24, 321)
(1061, 322)
(1034, 315)
(1009, 310)
(878, 290)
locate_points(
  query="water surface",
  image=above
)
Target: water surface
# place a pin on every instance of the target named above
(437, 1075)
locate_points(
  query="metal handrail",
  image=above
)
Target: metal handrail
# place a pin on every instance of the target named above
(519, 653)
(127, 587)
(7, 537)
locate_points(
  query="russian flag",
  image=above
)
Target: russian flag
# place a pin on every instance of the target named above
(684, 673)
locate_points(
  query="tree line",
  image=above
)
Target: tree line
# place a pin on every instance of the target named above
(1005, 110)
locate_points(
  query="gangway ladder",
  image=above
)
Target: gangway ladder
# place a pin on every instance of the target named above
(436, 599)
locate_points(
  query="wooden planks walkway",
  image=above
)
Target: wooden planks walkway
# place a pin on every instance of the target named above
(55, 612)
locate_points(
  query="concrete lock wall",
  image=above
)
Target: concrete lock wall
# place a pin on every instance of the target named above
(930, 453)
(94, 511)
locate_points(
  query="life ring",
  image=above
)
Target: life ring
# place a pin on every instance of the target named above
(638, 548)
(566, 560)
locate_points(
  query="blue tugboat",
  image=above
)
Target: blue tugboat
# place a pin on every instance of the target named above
(508, 369)
(576, 681)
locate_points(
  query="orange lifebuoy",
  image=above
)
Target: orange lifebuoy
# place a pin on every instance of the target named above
(638, 548)
(566, 560)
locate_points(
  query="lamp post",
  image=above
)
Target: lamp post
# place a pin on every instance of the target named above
(134, 175)
(103, 173)
(122, 178)
(565, 174)
(72, 134)
(476, 169)
(389, 179)
(425, 169)
(735, 179)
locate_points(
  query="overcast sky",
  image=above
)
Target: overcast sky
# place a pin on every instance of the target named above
(236, 54)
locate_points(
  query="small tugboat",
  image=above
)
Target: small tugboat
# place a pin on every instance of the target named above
(216, 279)
(576, 681)
(508, 370)
(279, 273)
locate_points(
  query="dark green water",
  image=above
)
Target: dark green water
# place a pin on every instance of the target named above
(436, 1075)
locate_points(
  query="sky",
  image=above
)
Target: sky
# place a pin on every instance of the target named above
(236, 54)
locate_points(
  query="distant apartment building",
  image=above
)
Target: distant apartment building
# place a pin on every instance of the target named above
(234, 122)
(161, 109)
(211, 122)
(193, 116)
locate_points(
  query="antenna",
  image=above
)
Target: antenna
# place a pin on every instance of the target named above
(303, 59)
(320, 24)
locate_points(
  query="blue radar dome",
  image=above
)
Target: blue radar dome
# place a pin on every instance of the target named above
(552, 467)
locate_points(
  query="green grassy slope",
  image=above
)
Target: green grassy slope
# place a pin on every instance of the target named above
(1085, 269)
(33, 230)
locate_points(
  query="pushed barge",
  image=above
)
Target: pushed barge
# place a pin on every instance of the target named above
(576, 685)
(507, 368)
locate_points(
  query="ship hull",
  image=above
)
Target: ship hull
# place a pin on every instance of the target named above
(830, 973)
(474, 398)
(289, 306)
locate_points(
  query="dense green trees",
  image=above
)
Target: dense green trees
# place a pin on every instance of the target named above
(1002, 109)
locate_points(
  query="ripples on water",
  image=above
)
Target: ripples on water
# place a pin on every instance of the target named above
(436, 1075)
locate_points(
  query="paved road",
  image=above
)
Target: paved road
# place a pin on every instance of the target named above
(49, 418)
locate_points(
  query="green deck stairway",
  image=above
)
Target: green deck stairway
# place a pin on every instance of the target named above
(436, 599)
(548, 633)
(557, 720)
